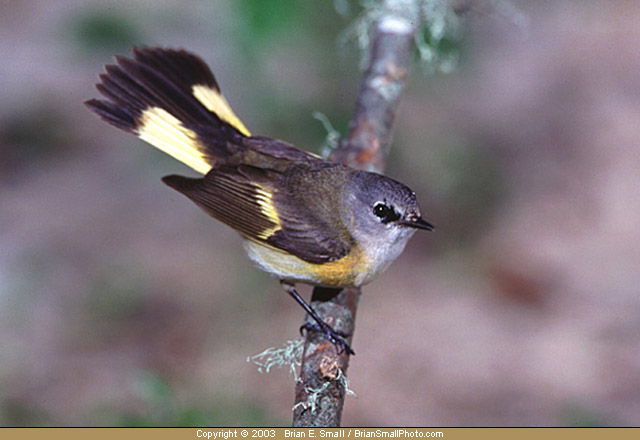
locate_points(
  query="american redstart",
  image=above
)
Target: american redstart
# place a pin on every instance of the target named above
(304, 219)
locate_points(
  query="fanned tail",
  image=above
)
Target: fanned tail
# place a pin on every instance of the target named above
(170, 99)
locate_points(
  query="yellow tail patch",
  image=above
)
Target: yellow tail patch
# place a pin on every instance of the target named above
(216, 103)
(165, 132)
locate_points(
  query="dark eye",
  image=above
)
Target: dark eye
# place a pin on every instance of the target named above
(385, 212)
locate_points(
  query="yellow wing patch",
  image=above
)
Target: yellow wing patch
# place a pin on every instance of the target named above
(264, 199)
(165, 132)
(216, 103)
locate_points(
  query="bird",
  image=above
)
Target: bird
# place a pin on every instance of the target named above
(303, 219)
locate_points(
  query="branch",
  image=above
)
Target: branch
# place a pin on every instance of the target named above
(320, 392)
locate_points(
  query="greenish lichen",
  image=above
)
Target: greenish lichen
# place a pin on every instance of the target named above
(288, 355)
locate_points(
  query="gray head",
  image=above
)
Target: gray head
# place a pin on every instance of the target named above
(384, 215)
(380, 200)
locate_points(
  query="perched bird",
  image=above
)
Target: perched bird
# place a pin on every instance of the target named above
(303, 218)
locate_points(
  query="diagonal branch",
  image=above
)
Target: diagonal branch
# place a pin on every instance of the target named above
(320, 392)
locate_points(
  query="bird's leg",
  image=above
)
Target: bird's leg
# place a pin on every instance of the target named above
(336, 337)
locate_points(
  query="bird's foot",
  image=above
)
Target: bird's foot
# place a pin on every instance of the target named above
(336, 337)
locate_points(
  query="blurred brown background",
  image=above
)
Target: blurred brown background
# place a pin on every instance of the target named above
(123, 304)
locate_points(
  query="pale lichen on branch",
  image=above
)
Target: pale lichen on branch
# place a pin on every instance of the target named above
(430, 22)
(288, 355)
(314, 394)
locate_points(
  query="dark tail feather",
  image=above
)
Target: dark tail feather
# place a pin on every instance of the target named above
(113, 114)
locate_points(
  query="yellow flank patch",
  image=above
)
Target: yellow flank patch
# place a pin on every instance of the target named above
(216, 103)
(264, 199)
(165, 132)
(350, 270)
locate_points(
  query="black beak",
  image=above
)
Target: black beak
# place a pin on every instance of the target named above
(418, 223)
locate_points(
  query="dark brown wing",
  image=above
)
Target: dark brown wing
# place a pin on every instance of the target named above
(243, 197)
